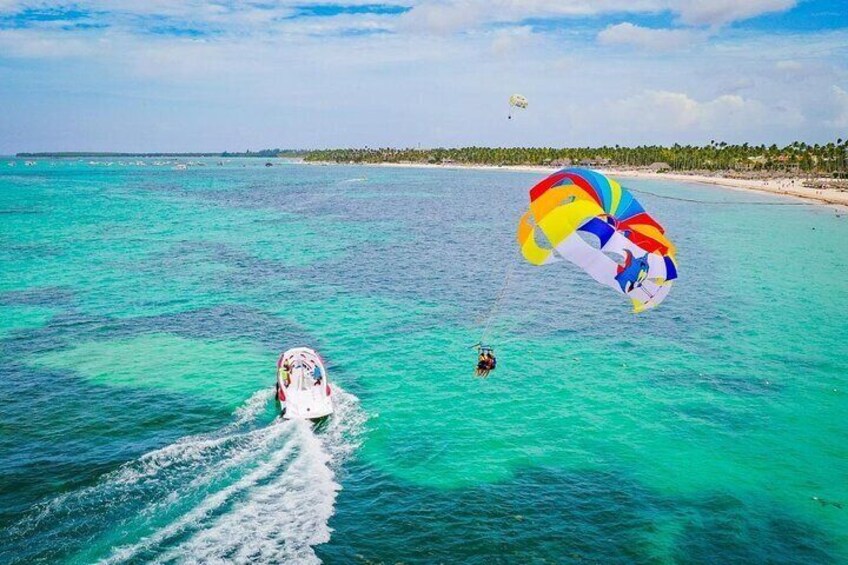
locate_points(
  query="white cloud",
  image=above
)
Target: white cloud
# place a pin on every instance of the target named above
(721, 12)
(304, 82)
(42, 44)
(441, 17)
(839, 103)
(789, 66)
(511, 41)
(448, 16)
(649, 38)
(667, 112)
(10, 6)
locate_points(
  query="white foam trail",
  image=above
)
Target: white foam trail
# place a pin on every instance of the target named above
(276, 512)
(253, 407)
(241, 494)
(196, 451)
(209, 504)
(278, 522)
(282, 520)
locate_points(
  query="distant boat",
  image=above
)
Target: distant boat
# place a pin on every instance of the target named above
(30, 163)
(269, 164)
(11, 163)
(180, 167)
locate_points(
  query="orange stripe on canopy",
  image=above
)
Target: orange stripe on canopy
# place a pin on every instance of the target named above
(527, 240)
(555, 197)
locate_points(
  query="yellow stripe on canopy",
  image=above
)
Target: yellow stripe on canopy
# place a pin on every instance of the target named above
(615, 188)
(562, 221)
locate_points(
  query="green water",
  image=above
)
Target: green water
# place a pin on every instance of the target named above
(142, 309)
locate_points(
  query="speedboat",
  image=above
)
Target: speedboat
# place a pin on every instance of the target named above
(303, 388)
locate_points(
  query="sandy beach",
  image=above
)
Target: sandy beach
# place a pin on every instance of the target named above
(784, 186)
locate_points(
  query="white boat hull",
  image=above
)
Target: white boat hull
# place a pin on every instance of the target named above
(303, 387)
(307, 406)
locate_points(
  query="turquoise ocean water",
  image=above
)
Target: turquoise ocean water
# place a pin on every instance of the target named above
(142, 309)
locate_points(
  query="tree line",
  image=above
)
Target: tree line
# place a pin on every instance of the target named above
(829, 158)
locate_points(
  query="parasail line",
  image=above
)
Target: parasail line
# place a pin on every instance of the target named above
(678, 198)
(496, 305)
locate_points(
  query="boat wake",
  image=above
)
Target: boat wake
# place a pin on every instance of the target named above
(246, 493)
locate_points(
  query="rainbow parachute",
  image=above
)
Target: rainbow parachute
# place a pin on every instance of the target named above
(591, 221)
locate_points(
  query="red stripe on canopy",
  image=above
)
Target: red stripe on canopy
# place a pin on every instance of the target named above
(544, 185)
(646, 243)
(641, 218)
(587, 188)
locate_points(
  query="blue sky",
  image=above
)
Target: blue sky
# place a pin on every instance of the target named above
(166, 75)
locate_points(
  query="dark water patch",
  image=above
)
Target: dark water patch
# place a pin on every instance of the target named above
(65, 328)
(245, 271)
(32, 251)
(51, 296)
(551, 516)
(726, 530)
(744, 383)
(747, 384)
(808, 363)
(19, 211)
(61, 330)
(60, 432)
(719, 418)
(228, 322)
(538, 516)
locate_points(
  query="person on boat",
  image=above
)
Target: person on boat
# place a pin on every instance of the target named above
(316, 374)
(286, 373)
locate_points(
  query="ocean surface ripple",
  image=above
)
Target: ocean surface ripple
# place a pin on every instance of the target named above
(142, 309)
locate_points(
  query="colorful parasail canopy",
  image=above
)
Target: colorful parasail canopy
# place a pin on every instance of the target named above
(592, 221)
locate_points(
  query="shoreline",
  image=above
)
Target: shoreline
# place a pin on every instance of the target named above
(783, 186)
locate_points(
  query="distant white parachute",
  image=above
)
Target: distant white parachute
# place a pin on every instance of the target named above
(516, 101)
